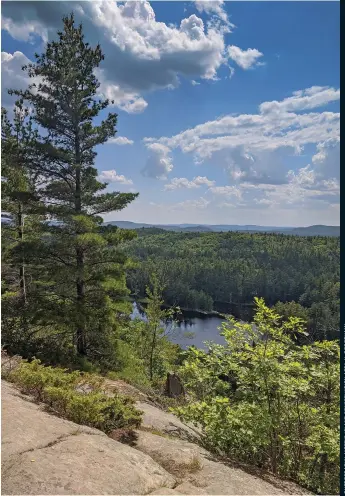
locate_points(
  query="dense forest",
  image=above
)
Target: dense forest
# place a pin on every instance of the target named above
(67, 279)
(225, 271)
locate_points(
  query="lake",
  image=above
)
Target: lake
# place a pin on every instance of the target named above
(203, 327)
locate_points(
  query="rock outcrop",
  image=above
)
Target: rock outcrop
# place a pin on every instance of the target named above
(44, 454)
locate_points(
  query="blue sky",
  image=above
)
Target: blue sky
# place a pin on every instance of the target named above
(228, 111)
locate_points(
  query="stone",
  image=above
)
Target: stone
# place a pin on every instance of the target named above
(173, 386)
(177, 456)
(43, 454)
(165, 490)
(217, 478)
(188, 488)
(156, 419)
(26, 426)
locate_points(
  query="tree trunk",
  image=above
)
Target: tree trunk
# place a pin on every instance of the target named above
(22, 264)
(153, 346)
(80, 283)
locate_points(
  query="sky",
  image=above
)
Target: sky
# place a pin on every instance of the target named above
(228, 112)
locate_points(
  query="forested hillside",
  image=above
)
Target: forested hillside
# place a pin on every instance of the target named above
(320, 230)
(224, 271)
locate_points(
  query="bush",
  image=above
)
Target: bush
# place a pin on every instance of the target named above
(283, 413)
(76, 396)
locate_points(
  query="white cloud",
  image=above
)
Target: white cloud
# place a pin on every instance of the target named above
(159, 163)
(244, 58)
(141, 53)
(212, 7)
(259, 150)
(255, 147)
(200, 203)
(182, 182)
(304, 177)
(327, 159)
(130, 102)
(120, 140)
(111, 176)
(12, 75)
(316, 96)
(24, 31)
(264, 202)
(226, 191)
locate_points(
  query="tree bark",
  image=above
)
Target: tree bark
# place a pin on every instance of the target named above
(80, 283)
(22, 283)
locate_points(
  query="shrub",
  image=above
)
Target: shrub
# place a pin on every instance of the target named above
(76, 396)
(283, 414)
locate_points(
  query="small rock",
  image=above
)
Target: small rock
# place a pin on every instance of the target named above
(165, 490)
(188, 488)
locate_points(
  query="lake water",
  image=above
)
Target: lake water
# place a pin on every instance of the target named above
(203, 327)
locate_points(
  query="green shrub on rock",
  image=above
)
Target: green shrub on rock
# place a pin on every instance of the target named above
(76, 396)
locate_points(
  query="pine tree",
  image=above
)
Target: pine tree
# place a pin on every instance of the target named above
(84, 280)
(20, 202)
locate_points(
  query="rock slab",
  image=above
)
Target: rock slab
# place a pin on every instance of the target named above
(42, 454)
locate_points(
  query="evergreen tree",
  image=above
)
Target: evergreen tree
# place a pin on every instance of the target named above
(158, 349)
(83, 283)
(20, 202)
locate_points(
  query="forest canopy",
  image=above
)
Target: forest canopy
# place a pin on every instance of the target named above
(225, 271)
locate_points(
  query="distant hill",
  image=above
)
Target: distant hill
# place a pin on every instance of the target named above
(318, 230)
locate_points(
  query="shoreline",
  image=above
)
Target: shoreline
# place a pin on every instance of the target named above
(205, 313)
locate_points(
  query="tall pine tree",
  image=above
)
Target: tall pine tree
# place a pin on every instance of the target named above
(83, 283)
(21, 204)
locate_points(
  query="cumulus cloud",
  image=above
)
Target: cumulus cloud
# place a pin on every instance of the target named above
(245, 142)
(257, 151)
(210, 7)
(327, 157)
(244, 58)
(120, 140)
(12, 75)
(304, 177)
(159, 162)
(182, 182)
(310, 98)
(141, 53)
(227, 191)
(111, 176)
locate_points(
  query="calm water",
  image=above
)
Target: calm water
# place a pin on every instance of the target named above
(203, 328)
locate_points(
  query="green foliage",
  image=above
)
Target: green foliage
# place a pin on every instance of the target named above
(76, 396)
(150, 338)
(21, 203)
(284, 413)
(129, 366)
(225, 271)
(79, 278)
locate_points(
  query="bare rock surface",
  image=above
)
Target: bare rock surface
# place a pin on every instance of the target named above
(165, 490)
(159, 420)
(26, 426)
(44, 454)
(188, 488)
(119, 386)
(177, 456)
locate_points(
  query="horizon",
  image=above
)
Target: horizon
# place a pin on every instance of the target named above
(225, 113)
(220, 223)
